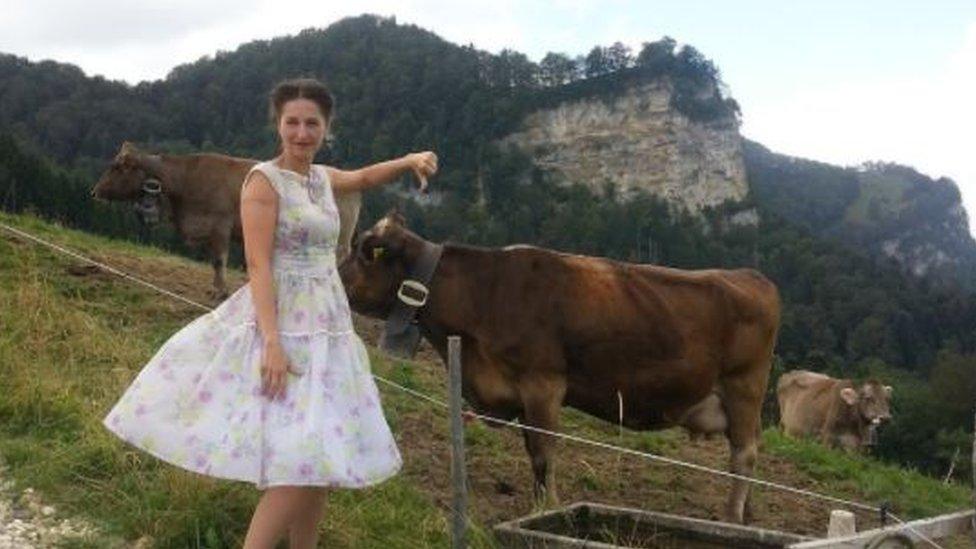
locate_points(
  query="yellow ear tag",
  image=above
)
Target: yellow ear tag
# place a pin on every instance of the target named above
(378, 253)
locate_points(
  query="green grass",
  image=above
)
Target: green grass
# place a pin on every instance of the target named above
(70, 345)
(911, 494)
(880, 199)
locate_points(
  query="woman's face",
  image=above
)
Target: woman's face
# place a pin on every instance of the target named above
(301, 128)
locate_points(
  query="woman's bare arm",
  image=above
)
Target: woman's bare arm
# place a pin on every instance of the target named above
(422, 164)
(259, 215)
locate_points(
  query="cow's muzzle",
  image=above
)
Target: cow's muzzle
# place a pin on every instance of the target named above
(147, 207)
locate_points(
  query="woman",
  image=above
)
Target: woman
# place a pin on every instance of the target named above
(273, 387)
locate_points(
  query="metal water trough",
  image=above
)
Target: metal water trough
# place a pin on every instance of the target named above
(597, 526)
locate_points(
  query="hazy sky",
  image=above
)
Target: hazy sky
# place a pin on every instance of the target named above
(837, 81)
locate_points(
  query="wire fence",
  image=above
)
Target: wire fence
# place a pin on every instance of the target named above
(490, 419)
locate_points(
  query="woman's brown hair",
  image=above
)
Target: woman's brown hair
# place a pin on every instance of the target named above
(301, 88)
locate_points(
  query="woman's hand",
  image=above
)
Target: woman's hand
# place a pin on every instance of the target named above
(423, 165)
(275, 367)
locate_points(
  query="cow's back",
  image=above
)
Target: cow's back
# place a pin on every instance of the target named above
(643, 334)
(805, 400)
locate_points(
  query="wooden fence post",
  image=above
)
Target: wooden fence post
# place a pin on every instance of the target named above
(458, 475)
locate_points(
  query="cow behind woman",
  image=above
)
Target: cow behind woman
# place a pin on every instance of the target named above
(201, 193)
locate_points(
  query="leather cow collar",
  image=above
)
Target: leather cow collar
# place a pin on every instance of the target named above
(401, 335)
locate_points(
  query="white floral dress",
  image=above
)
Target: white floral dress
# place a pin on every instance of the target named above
(198, 404)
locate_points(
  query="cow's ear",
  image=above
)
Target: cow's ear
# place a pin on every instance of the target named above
(128, 148)
(396, 217)
(888, 390)
(849, 396)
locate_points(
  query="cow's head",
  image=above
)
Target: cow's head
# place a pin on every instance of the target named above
(123, 180)
(871, 401)
(381, 258)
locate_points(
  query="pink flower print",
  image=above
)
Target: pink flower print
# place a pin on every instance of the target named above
(322, 318)
(298, 316)
(305, 470)
(200, 461)
(204, 396)
(191, 440)
(116, 420)
(164, 365)
(196, 378)
(338, 431)
(140, 410)
(225, 376)
(235, 454)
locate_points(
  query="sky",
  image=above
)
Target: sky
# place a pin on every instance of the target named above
(842, 82)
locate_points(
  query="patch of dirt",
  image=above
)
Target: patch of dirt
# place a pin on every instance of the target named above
(26, 521)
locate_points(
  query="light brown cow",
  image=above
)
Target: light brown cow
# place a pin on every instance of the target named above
(834, 411)
(542, 329)
(201, 193)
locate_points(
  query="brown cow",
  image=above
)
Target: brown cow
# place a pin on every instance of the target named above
(834, 410)
(202, 195)
(542, 329)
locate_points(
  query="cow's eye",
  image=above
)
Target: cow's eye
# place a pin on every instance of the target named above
(378, 252)
(368, 250)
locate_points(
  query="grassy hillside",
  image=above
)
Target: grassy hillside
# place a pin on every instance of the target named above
(72, 338)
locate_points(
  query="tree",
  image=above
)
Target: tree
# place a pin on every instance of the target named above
(556, 69)
(597, 62)
(657, 56)
(618, 57)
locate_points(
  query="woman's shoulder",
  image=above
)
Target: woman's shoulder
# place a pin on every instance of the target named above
(324, 172)
(268, 171)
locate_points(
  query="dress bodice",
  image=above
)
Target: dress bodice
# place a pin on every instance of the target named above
(307, 230)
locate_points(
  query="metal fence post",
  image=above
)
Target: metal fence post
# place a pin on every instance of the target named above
(458, 474)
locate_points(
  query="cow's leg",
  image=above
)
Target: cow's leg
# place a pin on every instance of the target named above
(219, 247)
(542, 400)
(743, 404)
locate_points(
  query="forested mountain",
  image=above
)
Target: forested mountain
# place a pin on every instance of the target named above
(892, 210)
(828, 236)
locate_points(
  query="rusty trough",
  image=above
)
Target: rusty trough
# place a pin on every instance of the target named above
(597, 526)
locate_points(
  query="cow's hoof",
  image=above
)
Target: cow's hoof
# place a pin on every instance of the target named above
(733, 517)
(218, 295)
(545, 501)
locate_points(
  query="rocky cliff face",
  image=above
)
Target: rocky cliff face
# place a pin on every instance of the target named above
(636, 140)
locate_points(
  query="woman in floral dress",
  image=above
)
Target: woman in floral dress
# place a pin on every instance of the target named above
(273, 387)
